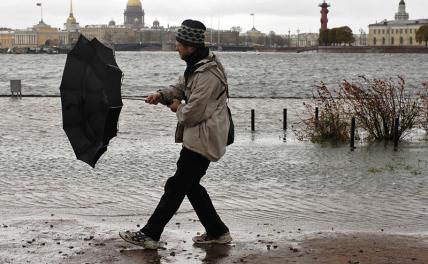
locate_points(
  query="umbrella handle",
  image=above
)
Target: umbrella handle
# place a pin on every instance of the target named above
(143, 97)
(137, 98)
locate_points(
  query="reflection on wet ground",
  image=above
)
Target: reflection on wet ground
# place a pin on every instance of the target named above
(214, 253)
(141, 256)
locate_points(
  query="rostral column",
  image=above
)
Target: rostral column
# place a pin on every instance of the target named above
(324, 11)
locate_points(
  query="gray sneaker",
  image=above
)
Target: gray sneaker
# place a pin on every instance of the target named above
(140, 239)
(206, 239)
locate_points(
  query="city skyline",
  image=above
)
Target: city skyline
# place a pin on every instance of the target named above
(275, 15)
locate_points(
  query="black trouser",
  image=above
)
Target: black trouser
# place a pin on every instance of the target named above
(191, 166)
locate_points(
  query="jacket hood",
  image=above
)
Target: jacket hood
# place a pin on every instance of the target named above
(212, 64)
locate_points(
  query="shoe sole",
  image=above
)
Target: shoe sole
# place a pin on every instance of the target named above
(220, 242)
(141, 244)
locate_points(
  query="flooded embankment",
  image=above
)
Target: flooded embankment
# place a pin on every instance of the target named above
(269, 188)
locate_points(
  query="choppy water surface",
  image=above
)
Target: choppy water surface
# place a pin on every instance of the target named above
(250, 74)
(265, 177)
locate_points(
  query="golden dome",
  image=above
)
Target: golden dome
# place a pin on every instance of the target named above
(134, 3)
(71, 19)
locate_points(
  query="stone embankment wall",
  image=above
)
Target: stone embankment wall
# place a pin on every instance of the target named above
(369, 49)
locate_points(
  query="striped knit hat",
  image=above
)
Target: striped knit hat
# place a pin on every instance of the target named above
(192, 33)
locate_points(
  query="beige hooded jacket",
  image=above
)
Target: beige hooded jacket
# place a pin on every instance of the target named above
(203, 122)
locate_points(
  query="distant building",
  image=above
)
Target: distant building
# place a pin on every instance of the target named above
(398, 32)
(39, 35)
(26, 38)
(46, 35)
(303, 40)
(112, 23)
(224, 37)
(360, 39)
(110, 34)
(134, 14)
(7, 38)
(165, 37)
(152, 35)
(254, 33)
(156, 25)
(43, 35)
(254, 37)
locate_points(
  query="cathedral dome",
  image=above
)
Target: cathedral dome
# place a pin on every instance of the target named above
(134, 3)
(134, 14)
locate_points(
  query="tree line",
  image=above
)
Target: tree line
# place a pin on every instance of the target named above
(422, 34)
(336, 36)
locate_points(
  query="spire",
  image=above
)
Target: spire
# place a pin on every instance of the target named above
(71, 20)
(71, 7)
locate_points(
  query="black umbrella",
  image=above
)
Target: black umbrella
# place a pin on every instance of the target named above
(91, 98)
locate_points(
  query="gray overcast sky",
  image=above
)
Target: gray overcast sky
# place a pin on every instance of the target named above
(277, 15)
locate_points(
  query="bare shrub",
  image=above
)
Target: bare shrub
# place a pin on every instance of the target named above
(376, 103)
(331, 125)
(423, 95)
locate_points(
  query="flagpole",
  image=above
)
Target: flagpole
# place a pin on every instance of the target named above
(41, 10)
(252, 14)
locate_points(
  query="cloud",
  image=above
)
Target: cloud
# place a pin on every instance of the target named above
(277, 15)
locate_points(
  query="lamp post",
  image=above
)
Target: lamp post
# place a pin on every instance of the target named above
(218, 35)
(211, 33)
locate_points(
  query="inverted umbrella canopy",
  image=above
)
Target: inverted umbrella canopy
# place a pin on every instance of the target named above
(91, 98)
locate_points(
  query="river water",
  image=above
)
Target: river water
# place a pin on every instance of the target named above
(265, 177)
(250, 74)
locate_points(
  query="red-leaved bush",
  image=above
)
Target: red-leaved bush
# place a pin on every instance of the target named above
(331, 124)
(376, 103)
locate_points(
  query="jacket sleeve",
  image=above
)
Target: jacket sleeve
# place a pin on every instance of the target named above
(195, 111)
(175, 91)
